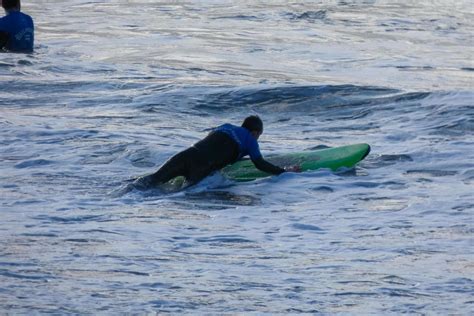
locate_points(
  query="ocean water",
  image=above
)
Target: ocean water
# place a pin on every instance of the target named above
(116, 87)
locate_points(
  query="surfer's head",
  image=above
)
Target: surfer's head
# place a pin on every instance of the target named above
(254, 124)
(11, 5)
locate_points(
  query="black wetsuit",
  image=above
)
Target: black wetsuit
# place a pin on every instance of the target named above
(212, 153)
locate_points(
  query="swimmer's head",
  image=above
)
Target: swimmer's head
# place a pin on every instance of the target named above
(11, 4)
(254, 124)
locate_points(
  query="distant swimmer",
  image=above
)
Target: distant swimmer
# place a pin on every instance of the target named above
(222, 146)
(16, 28)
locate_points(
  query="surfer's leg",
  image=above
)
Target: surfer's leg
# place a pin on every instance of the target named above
(197, 174)
(174, 167)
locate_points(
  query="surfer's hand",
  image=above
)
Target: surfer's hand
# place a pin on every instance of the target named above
(294, 168)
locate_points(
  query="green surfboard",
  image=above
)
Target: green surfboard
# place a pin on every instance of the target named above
(330, 158)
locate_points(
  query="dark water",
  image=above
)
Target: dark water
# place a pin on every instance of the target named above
(115, 88)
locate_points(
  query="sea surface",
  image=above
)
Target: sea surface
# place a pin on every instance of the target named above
(116, 87)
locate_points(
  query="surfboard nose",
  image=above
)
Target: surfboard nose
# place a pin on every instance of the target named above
(367, 152)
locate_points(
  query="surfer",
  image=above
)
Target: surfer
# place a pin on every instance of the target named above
(16, 28)
(222, 146)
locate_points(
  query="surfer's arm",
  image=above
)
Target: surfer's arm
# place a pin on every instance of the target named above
(3, 39)
(267, 167)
